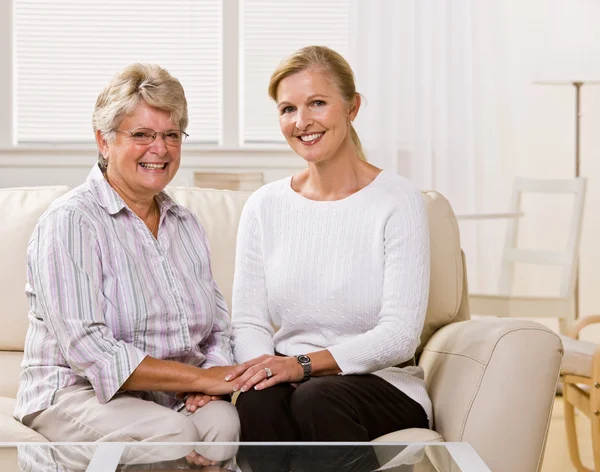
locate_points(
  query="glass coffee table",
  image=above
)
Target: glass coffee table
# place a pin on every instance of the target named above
(244, 457)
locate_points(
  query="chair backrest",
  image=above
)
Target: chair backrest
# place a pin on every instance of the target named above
(566, 258)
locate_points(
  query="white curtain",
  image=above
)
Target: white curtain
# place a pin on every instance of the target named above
(426, 71)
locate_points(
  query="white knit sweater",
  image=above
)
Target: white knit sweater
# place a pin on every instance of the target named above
(350, 276)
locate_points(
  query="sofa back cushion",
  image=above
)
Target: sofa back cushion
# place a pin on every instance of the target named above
(219, 211)
(448, 283)
(11, 367)
(20, 209)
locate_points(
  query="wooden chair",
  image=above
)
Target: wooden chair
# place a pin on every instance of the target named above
(504, 303)
(580, 373)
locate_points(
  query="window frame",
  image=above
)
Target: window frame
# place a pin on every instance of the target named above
(231, 117)
(7, 78)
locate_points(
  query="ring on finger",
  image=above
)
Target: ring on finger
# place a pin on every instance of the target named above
(269, 372)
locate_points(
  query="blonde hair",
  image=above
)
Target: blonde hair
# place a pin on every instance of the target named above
(148, 82)
(333, 64)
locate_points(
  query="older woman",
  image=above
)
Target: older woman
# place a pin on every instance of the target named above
(337, 258)
(124, 309)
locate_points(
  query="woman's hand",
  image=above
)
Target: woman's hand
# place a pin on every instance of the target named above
(193, 458)
(210, 382)
(197, 400)
(172, 376)
(265, 371)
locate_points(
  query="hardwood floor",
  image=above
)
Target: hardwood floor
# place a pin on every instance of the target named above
(556, 457)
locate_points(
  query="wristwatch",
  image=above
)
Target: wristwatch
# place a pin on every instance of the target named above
(304, 361)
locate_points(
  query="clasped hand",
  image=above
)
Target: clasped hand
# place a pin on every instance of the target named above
(195, 400)
(265, 371)
(251, 374)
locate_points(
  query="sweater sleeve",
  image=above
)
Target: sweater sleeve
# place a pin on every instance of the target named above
(252, 328)
(395, 338)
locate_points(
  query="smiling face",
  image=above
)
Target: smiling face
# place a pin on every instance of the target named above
(314, 117)
(140, 171)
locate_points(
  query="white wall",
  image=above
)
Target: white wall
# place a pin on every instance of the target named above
(537, 139)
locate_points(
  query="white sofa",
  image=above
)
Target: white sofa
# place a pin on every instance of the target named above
(491, 381)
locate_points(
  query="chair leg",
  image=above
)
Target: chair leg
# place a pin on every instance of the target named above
(595, 408)
(596, 441)
(572, 435)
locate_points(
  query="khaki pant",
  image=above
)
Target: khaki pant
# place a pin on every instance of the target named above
(77, 416)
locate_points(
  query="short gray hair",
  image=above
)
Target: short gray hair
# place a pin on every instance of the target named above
(148, 82)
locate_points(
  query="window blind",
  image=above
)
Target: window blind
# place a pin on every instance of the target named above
(67, 51)
(271, 30)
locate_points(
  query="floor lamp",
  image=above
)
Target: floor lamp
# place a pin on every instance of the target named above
(577, 84)
(577, 164)
(572, 49)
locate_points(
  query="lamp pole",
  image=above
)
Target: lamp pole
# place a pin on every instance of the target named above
(577, 124)
(577, 86)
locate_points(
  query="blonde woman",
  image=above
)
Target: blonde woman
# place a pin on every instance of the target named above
(336, 258)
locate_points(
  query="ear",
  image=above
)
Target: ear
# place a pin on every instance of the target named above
(354, 108)
(102, 143)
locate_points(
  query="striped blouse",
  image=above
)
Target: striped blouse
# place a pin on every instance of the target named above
(104, 293)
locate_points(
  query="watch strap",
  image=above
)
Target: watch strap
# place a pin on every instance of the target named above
(304, 361)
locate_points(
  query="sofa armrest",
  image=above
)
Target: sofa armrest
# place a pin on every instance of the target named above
(492, 384)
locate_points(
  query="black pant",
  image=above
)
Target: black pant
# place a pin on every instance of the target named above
(350, 408)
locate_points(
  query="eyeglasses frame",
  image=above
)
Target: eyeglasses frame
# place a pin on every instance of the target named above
(156, 133)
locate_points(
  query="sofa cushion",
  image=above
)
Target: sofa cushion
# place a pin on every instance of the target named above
(10, 429)
(20, 209)
(418, 435)
(11, 367)
(447, 272)
(578, 357)
(219, 212)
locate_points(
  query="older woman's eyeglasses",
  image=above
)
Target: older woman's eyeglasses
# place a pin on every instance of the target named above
(172, 137)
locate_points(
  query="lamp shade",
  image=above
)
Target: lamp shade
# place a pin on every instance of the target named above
(571, 49)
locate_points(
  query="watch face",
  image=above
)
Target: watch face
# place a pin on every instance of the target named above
(303, 359)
